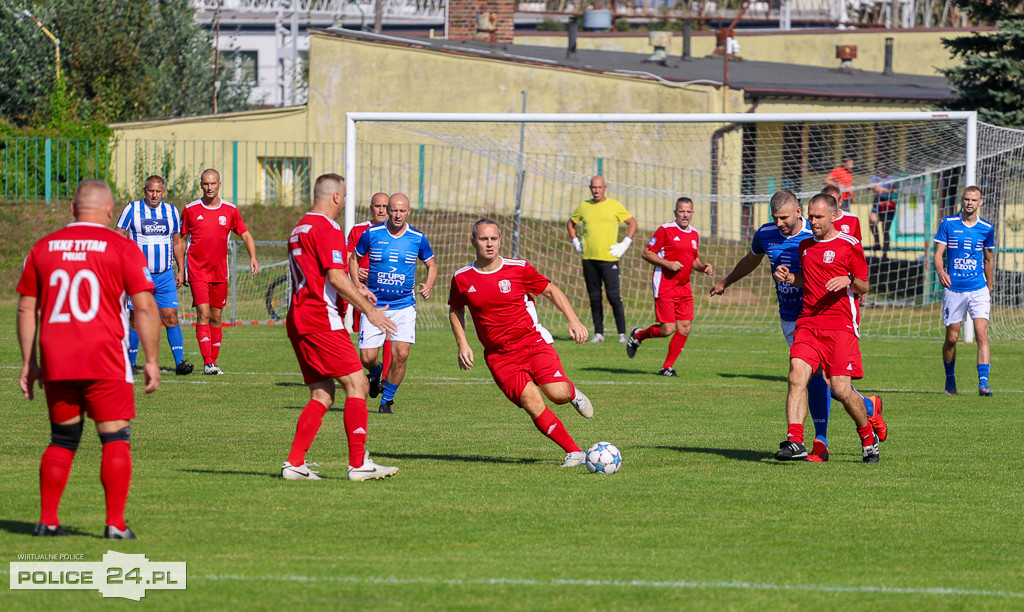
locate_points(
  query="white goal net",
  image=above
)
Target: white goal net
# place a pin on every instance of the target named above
(531, 171)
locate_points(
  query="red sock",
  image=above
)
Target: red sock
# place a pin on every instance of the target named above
(216, 335)
(552, 427)
(355, 429)
(385, 360)
(53, 477)
(796, 433)
(675, 346)
(116, 474)
(653, 331)
(867, 435)
(305, 431)
(203, 335)
(572, 390)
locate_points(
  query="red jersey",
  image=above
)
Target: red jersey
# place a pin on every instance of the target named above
(821, 261)
(80, 276)
(497, 301)
(674, 244)
(207, 231)
(849, 224)
(316, 245)
(353, 237)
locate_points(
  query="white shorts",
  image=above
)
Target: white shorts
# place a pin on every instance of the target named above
(372, 337)
(954, 305)
(788, 330)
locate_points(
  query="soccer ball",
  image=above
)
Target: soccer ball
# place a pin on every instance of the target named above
(604, 458)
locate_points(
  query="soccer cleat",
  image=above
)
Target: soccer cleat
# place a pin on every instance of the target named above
(623, 339)
(370, 470)
(791, 451)
(819, 452)
(597, 338)
(43, 529)
(113, 533)
(386, 407)
(183, 368)
(984, 392)
(870, 452)
(574, 458)
(632, 343)
(582, 405)
(667, 372)
(877, 421)
(211, 369)
(375, 386)
(299, 472)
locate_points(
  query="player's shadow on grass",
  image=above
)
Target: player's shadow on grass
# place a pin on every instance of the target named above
(764, 377)
(463, 458)
(615, 370)
(274, 475)
(331, 409)
(739, 454)
(290, 384)
(26, 528)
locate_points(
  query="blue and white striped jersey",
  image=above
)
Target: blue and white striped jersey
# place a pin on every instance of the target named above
(153, 229)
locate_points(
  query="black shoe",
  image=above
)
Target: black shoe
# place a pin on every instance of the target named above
(632, 343)
(183, 368)
(870, 452)
(45, 530)
(113, 533)
(136, 370)
(375, 383)
(791, 451)
(385, 407)
(667, 372)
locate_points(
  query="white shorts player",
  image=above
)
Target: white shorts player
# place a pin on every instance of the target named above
(788, 330)
(371, 336)
(977, 303)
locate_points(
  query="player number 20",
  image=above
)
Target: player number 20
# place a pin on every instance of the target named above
(65, 285)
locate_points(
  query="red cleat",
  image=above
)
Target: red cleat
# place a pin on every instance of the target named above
(819, 454)
(877, 422)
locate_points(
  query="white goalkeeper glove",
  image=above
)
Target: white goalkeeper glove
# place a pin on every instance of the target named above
(576, 244)
(618, 249)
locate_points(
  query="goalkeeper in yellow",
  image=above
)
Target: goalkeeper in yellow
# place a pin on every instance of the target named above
(596, 241)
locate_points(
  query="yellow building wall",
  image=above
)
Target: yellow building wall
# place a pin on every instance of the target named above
(914, 52)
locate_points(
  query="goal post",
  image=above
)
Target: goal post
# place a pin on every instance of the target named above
(530, 172)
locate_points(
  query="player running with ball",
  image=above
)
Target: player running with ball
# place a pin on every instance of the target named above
(520, 357)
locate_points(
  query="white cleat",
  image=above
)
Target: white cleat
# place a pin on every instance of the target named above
(597, 338)
(574, 459)
(301, 472)
(622, 338)
(211, 369)
(370, 470)
(582, 404)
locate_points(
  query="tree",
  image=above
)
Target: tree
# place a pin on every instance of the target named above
(126, 60)
(990, 78)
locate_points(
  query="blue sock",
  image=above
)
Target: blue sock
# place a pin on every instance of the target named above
(950, 374)
(177, 342)
(983, 375)
(819, 401)
(868, 404)
(389, 392)
(133, 346)
(377, 370)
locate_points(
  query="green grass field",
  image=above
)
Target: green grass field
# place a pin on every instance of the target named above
(481, 517)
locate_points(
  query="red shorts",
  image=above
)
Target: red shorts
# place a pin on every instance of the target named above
(101, 400)
(835, 351)
(324, 355)
(673, 305)
(204, 292)
(512, 370)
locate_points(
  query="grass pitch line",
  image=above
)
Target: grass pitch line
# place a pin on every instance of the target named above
(670, 584)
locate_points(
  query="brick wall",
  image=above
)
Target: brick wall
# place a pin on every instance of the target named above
(463, 22)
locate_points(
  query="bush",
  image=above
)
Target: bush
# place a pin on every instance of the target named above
(622, 25)
(551, 25)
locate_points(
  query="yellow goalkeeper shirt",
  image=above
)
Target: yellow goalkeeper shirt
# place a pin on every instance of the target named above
(600, 222)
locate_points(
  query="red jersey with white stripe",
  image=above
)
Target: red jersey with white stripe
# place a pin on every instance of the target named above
(80, 276)
(497, 301)
(316, 245)
(674, 244)
(207, 231)
(821, 261)
(849, 224)
(353, 237)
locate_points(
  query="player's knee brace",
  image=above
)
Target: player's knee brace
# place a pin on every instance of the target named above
(66, 436)
(121, 435)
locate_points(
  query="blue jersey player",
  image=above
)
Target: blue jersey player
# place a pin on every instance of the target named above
(967, 278)
(780, 240)
(155, 226)
(394, 248)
